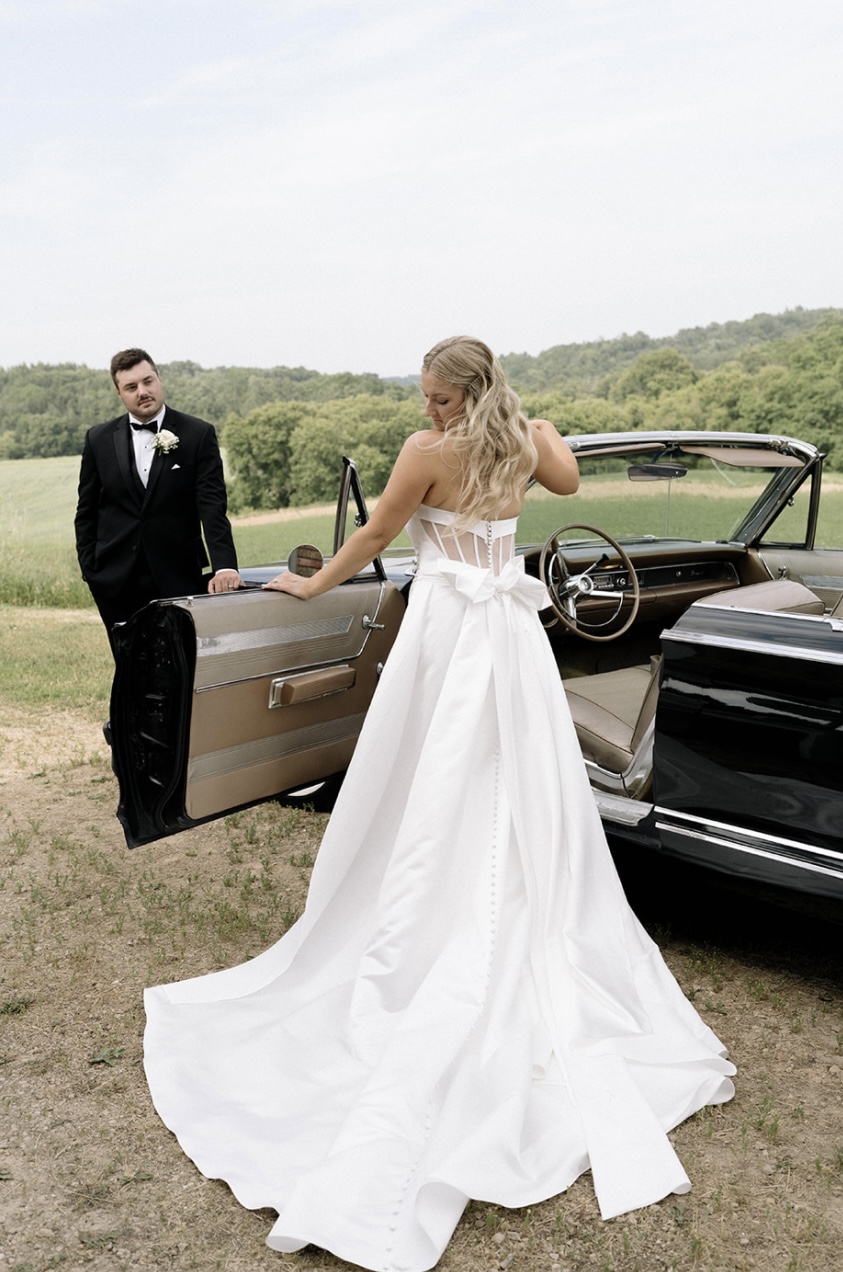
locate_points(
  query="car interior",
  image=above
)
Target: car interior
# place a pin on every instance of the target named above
(612, 600)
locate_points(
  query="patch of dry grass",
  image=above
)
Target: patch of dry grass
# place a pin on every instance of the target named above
(90, 1178)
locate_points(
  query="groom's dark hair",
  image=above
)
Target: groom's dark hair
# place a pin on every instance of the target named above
(128, 358)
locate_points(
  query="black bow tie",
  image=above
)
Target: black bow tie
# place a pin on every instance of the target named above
(151, 425)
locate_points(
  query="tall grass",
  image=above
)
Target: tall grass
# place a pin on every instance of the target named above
(38, 563)
(37, 554)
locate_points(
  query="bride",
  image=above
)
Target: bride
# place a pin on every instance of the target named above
(467, 1008)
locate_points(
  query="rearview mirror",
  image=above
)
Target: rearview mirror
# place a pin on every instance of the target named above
(655, 472)
(305, 560)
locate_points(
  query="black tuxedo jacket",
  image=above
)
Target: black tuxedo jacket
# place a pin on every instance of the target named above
(116, 517)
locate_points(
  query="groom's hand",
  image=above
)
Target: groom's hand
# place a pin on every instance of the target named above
(224, 581)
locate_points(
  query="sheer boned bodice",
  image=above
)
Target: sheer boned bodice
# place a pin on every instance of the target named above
(487, 544)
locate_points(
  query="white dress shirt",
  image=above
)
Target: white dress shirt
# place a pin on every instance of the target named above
(143, 442)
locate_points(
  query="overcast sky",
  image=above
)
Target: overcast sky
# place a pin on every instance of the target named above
(340, 183)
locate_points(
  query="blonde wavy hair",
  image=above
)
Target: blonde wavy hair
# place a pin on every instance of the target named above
(490, 435)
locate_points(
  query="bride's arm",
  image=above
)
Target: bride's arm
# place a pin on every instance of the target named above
(556, 469)
(415, 470)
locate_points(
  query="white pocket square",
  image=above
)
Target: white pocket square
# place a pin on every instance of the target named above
(174, 467)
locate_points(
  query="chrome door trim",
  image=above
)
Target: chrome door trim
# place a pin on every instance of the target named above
(620, 810)
(279, 683)
(792, 852)
(326, 628)
(774, 650)
(281, 634)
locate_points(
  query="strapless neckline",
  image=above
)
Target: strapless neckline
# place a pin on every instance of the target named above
(445, 515)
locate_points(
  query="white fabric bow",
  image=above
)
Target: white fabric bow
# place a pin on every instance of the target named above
(482, 585)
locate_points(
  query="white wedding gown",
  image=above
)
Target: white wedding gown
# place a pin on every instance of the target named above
(467, 1008)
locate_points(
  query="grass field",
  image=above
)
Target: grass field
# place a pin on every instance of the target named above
(37, 555)
(38, 501)
(92, 1180)
(52, 659)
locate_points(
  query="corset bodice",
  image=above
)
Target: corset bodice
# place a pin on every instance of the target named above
(486, 544)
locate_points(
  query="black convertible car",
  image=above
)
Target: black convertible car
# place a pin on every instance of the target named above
(697, 622)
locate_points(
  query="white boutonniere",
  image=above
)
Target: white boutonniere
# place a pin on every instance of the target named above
(165, 441)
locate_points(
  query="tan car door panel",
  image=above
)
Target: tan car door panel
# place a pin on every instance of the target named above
(281, 690)
(820, 569)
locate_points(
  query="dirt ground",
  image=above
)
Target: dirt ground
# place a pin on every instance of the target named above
(89, 1178)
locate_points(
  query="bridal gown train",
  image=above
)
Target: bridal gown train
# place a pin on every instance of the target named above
(467, 1008)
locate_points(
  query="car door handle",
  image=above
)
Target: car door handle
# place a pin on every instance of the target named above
(288, 691)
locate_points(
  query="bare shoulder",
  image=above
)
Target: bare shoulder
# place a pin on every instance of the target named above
(426, 440)
(423, 449)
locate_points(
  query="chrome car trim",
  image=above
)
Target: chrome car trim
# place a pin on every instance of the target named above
(828, 582)
(614, 443)
(756, 844)
(639, 774)
(276, 747)
(282, 634)
(761, 836)
(765, 613)
(344, 676)
(371, 624)
(603, 780)
(301, 669)
(760, 646)
(222, 656)
(630, 784)
(620, 809)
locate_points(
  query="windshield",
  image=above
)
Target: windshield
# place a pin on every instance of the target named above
(699, 492)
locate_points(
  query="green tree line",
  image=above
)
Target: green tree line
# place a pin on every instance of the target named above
(587, 364)
(46, 410)
(285, 429)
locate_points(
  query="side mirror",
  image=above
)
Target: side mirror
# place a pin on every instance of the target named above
(305, 560)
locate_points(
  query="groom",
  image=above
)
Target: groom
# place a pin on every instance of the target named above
(150, 482)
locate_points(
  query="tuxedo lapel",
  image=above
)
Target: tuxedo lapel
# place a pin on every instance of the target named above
(160, 460)
(124, 452)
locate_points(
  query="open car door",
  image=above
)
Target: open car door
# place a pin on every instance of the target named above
(222, 701)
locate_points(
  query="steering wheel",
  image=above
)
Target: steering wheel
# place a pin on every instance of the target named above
(567, 589)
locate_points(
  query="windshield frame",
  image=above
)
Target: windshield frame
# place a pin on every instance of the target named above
(789, 462)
